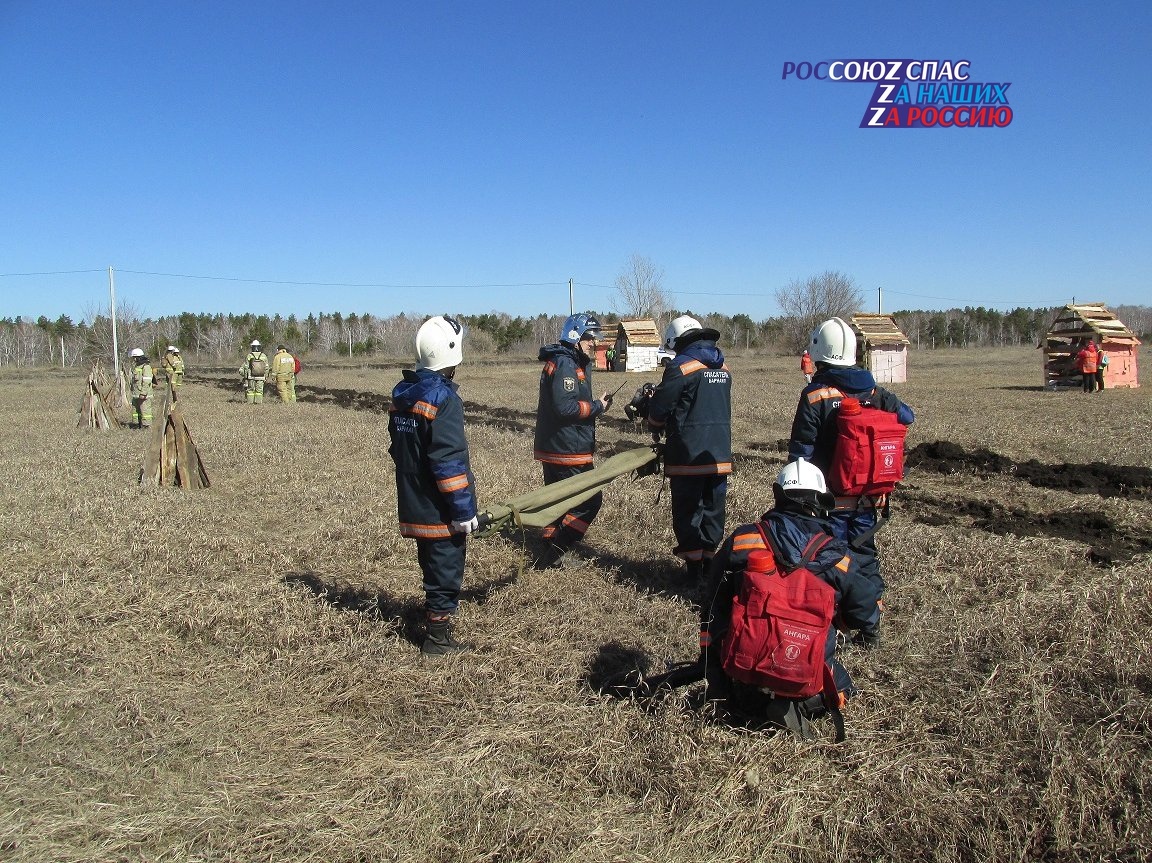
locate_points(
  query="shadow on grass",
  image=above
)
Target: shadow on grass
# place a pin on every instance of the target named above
(664, 576)
(621, 672)
(406, 614)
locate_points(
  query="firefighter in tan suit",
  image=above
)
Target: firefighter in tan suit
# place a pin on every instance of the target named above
(173, 365)
(254, 372)
(284, 373)
(140, 389)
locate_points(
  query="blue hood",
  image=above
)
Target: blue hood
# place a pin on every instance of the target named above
(791, 534)
(704, 351)
(850, 380)
(559, 349)
(417, 385)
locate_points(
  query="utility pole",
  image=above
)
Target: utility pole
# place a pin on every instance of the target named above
(112, 306)
(879, 301)
(571, 299)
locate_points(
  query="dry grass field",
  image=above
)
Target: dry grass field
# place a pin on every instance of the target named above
(231, 674)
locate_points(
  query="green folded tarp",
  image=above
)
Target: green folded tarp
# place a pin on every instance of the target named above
(543, 506)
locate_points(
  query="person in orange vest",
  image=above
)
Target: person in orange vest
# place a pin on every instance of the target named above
(1086, 361)
(807, 367)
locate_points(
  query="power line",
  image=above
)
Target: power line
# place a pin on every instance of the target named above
(967, 301)
(680, 293)
(336, 284)
(54, 273)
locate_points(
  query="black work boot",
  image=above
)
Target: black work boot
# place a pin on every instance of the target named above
(439, 640)
(552, 557)
(868, 638)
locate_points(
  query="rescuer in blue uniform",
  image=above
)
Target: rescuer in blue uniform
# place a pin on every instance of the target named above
(800, 514)
(565, 439)
(855, 518)
(692, 407)
(435, 489)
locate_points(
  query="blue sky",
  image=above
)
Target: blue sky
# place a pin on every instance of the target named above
(295, 157)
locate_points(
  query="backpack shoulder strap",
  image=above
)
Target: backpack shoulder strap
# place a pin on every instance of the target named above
(768, 544)
(815, 544)
(813, 548)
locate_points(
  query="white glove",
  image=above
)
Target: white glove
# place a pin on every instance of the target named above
(466, 526)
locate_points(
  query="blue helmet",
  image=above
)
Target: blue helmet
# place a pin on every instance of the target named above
(577, 326)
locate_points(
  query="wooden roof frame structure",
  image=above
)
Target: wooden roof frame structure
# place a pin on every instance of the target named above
(877, 330)
(641, 332)
(1091, 321)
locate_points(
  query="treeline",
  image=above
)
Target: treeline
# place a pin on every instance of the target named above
(982, 328)
(224, 338)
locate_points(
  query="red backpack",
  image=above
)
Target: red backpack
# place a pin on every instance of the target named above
(779, 627)
(869, 454)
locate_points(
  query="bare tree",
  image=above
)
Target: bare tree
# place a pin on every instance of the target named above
(329, 335)
(805, 303)
(132, 331)
(545, 328)
(221, 338)
(641, 290)
(402, 330)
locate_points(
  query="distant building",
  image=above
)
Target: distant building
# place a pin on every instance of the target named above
(637, 345)
(1075, 326)
(881, 347)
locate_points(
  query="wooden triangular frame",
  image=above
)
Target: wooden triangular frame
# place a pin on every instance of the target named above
(95, 412)
(172, 457)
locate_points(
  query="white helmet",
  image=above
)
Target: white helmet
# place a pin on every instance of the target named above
(834, 343)
(136, 352)
(802, 484)
(255, 343)
(802, 474)
(172, 349)
(438, 344)
(678, 327)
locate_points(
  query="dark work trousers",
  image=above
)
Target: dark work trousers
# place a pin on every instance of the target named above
(1089, 381)
(571, 526)
(442, 563)
(847, 524)
(698, 507)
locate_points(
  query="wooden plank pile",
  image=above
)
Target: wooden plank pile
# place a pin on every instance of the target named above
(172, 457)
(118, 397)
(95, 410)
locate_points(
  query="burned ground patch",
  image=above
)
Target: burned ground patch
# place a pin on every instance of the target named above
(351, 399)
(1107, 544)
(501, 418)
(779, 445)
(1104, 480)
